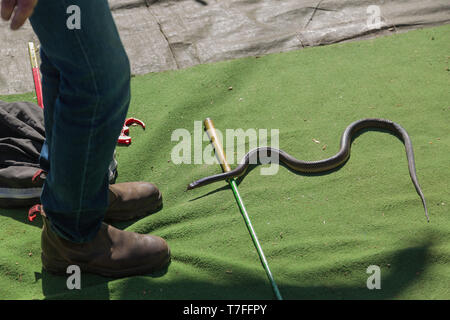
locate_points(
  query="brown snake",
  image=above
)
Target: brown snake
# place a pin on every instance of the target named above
(326, 164)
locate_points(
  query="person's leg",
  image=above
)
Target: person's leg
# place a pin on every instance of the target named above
(86, 83)
(50, 89)
(87, 115)
(128, 200)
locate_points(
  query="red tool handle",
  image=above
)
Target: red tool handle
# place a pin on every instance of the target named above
(124, 138)
(36, 74)
(38, 87)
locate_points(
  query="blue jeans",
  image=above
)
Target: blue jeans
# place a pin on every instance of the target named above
(86, 89)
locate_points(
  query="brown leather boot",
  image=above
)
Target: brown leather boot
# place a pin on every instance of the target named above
(131, 200)
(127, 200)
(112, 253)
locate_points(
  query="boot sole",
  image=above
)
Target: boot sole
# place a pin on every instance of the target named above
(60, 268)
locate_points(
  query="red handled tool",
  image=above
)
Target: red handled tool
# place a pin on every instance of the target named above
(124, 138)
(36, 74)
(33, 212)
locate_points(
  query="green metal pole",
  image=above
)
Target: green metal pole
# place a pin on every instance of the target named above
(262, 257)
(222, 159)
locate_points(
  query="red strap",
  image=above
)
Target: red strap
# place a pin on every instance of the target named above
(37, 175)
(124, 140)
(34, 210)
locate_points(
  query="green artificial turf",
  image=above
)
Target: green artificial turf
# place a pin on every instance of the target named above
(319, 233)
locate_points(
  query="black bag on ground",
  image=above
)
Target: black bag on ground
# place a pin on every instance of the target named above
(22, 136)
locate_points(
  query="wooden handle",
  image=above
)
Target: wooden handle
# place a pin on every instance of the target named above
(220, 153)
(32, 53)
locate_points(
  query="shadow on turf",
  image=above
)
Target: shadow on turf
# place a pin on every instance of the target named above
(55, 286)
(399, 270)
(21, 215)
